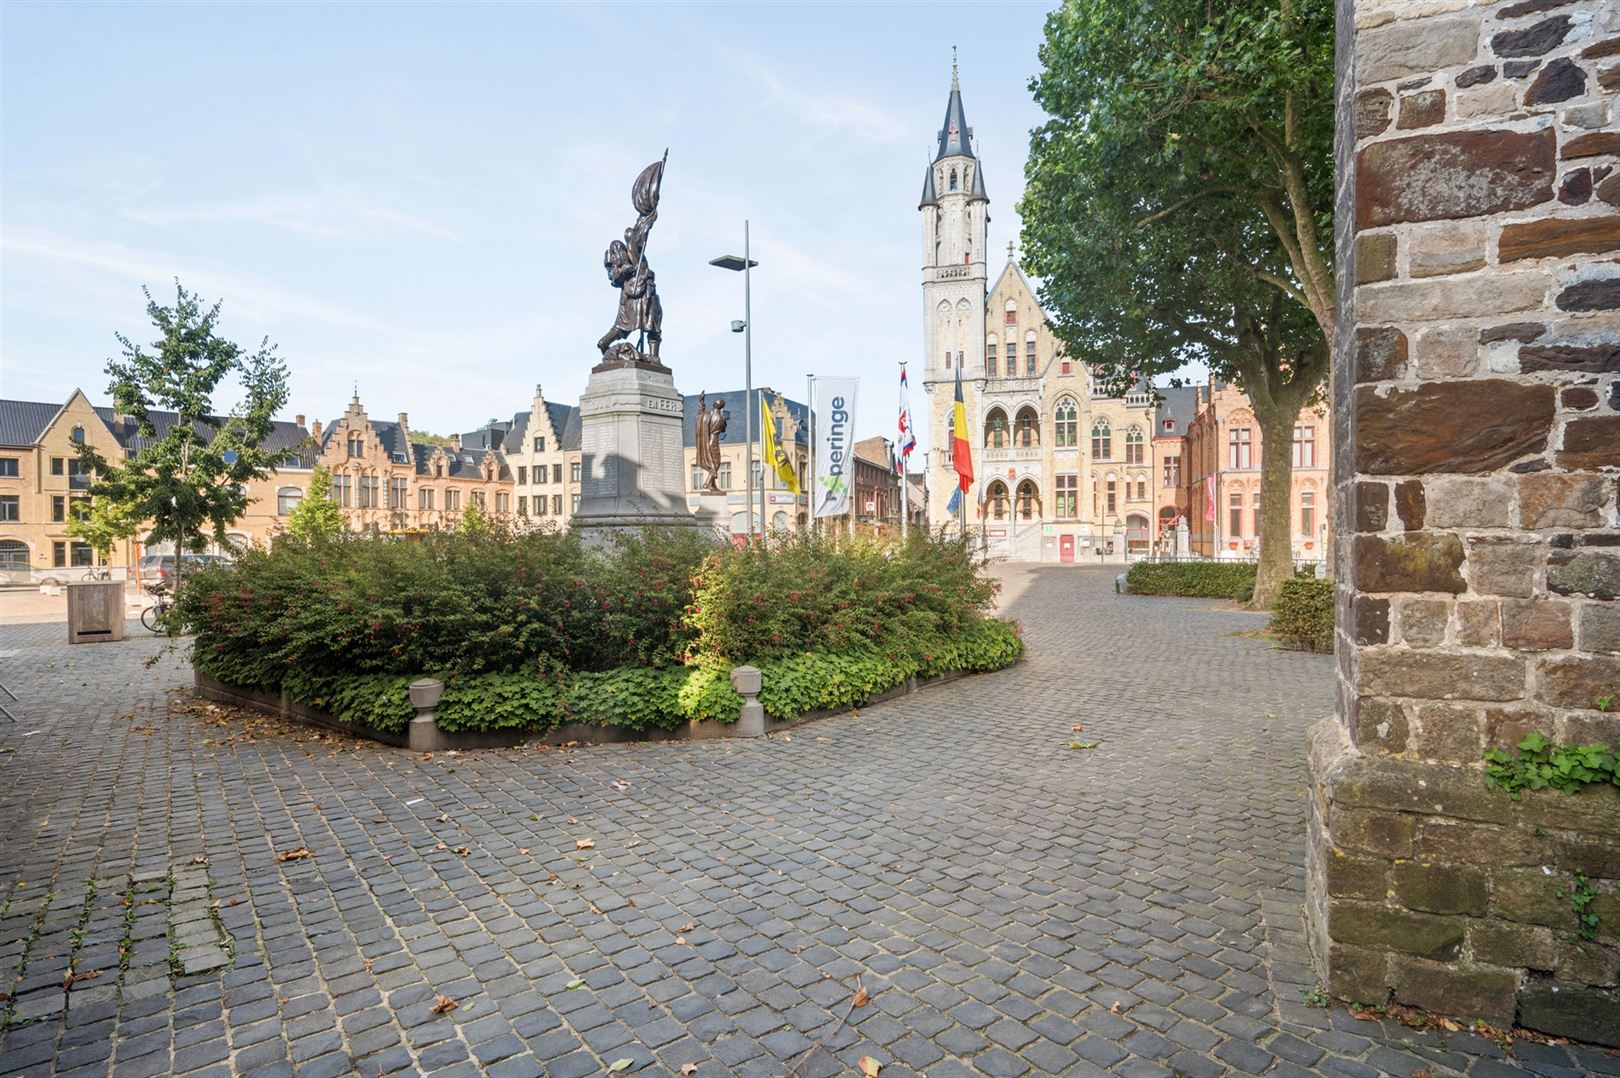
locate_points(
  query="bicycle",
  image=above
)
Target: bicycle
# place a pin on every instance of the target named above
(102, 574)
(154, 616)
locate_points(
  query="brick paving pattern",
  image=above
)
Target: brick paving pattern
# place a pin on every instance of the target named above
(1012, 906)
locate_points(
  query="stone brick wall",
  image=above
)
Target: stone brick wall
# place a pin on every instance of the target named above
(1476, 472)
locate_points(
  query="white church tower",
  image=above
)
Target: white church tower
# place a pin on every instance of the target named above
(955, 220)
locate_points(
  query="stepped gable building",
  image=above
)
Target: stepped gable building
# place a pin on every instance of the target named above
(542, 453)
(385, 482)
(1062, 470)
(42, 485)
(1220, 472)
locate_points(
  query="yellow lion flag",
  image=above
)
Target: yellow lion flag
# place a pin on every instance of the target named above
(780, 460)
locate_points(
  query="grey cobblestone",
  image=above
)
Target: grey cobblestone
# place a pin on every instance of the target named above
(1013, 907)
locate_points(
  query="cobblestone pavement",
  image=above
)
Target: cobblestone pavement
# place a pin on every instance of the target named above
(1011, 905)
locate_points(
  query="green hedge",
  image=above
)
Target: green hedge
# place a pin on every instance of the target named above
(652, 698)
(1195, 579)
(1302, 616)
(529, 631)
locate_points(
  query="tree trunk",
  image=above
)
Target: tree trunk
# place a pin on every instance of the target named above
(1276, 502)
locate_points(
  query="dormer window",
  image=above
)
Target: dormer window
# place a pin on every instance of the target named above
(1169, 424)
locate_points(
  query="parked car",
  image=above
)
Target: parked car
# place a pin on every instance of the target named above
(160, 567)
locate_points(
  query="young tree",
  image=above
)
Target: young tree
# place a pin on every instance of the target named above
(317, 514)
(1179, 205)
(101, 524)
(186, 480)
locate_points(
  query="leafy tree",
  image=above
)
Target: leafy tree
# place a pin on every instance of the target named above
(1179, 205)
(317, 514)
(474, 521)
(102, 523)
(422, 437)
(187, 479)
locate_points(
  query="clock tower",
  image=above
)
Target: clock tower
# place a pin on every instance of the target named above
(955, 220)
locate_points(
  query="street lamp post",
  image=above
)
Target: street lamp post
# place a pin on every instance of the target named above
(733, 262)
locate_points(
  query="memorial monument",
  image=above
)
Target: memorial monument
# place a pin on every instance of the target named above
(631, 414)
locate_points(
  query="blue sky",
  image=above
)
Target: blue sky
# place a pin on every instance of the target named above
(416, 197)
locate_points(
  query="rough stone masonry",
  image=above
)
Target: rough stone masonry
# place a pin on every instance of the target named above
(1477, 466)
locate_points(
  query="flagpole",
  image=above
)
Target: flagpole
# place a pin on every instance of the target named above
(810, 487)
(905, 513)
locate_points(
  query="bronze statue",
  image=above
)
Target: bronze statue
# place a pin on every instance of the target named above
(711, 424)
(626, 264)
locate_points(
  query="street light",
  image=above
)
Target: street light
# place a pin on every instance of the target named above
(746, 328)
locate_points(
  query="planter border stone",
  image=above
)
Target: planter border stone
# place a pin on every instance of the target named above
(279, 703)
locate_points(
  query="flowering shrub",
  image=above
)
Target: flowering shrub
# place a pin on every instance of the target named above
(533, 630)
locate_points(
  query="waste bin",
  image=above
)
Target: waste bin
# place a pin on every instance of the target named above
(95, 612)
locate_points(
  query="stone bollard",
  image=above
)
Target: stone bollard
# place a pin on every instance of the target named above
(424, 735)
(751, 719)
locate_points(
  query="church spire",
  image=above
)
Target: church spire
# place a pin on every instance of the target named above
(955, 136)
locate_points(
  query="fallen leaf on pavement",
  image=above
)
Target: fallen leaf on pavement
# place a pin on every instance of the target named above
(463, 851)
(688, 926)
(585, 844)
(200, 859)
(862, 997)
(1084, 744)
(688, 1069)
(870, 1067)
(576, 983)
(294, 855)
(1113, 1008)
(443, 1005)
(524, 850)
(618, 1065)
(680, 941)
(440, 846)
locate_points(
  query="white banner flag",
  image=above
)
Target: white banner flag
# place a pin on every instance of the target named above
(835, 445)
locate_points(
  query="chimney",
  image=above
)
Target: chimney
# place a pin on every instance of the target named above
(315, 430)
(298, 419)
(404, 421)
(455, 442)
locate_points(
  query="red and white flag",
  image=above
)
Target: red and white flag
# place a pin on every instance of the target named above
(908, 438)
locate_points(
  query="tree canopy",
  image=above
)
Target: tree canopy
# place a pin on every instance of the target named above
(317, 514)
(1179, 199)
(187, 478)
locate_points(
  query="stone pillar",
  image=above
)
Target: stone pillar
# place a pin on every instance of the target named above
(1476, 426)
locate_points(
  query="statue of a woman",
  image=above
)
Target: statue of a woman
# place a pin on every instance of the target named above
(711, 424)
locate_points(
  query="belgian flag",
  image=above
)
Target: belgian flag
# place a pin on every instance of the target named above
(961, 449)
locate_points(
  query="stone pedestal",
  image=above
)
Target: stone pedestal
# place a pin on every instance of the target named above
(1183, 545)
(714, 511)
(632, 464)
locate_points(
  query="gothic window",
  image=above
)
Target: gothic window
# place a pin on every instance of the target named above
(1028, 500)
(947, 359)
(1305, 447)
(368, 492)
(1133, 445)
(343, 489)
(997, 497)
(1068, 496)
(1064, 424)
(953, 179)
(1111, 496)
(76, 436)
(397, 492)
(1012, 317)
(1102, 440)
(990, 358)
(1029, 354)
(539, 445)
(1235, 516)
(1240, 446)
(1028, 428)
(287, 499)
(357, 446)
(452, 501)
(995, 429)
(424, 498)
(1172, 472)
(1307, 514)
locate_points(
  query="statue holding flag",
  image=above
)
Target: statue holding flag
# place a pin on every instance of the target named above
(626, 264)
